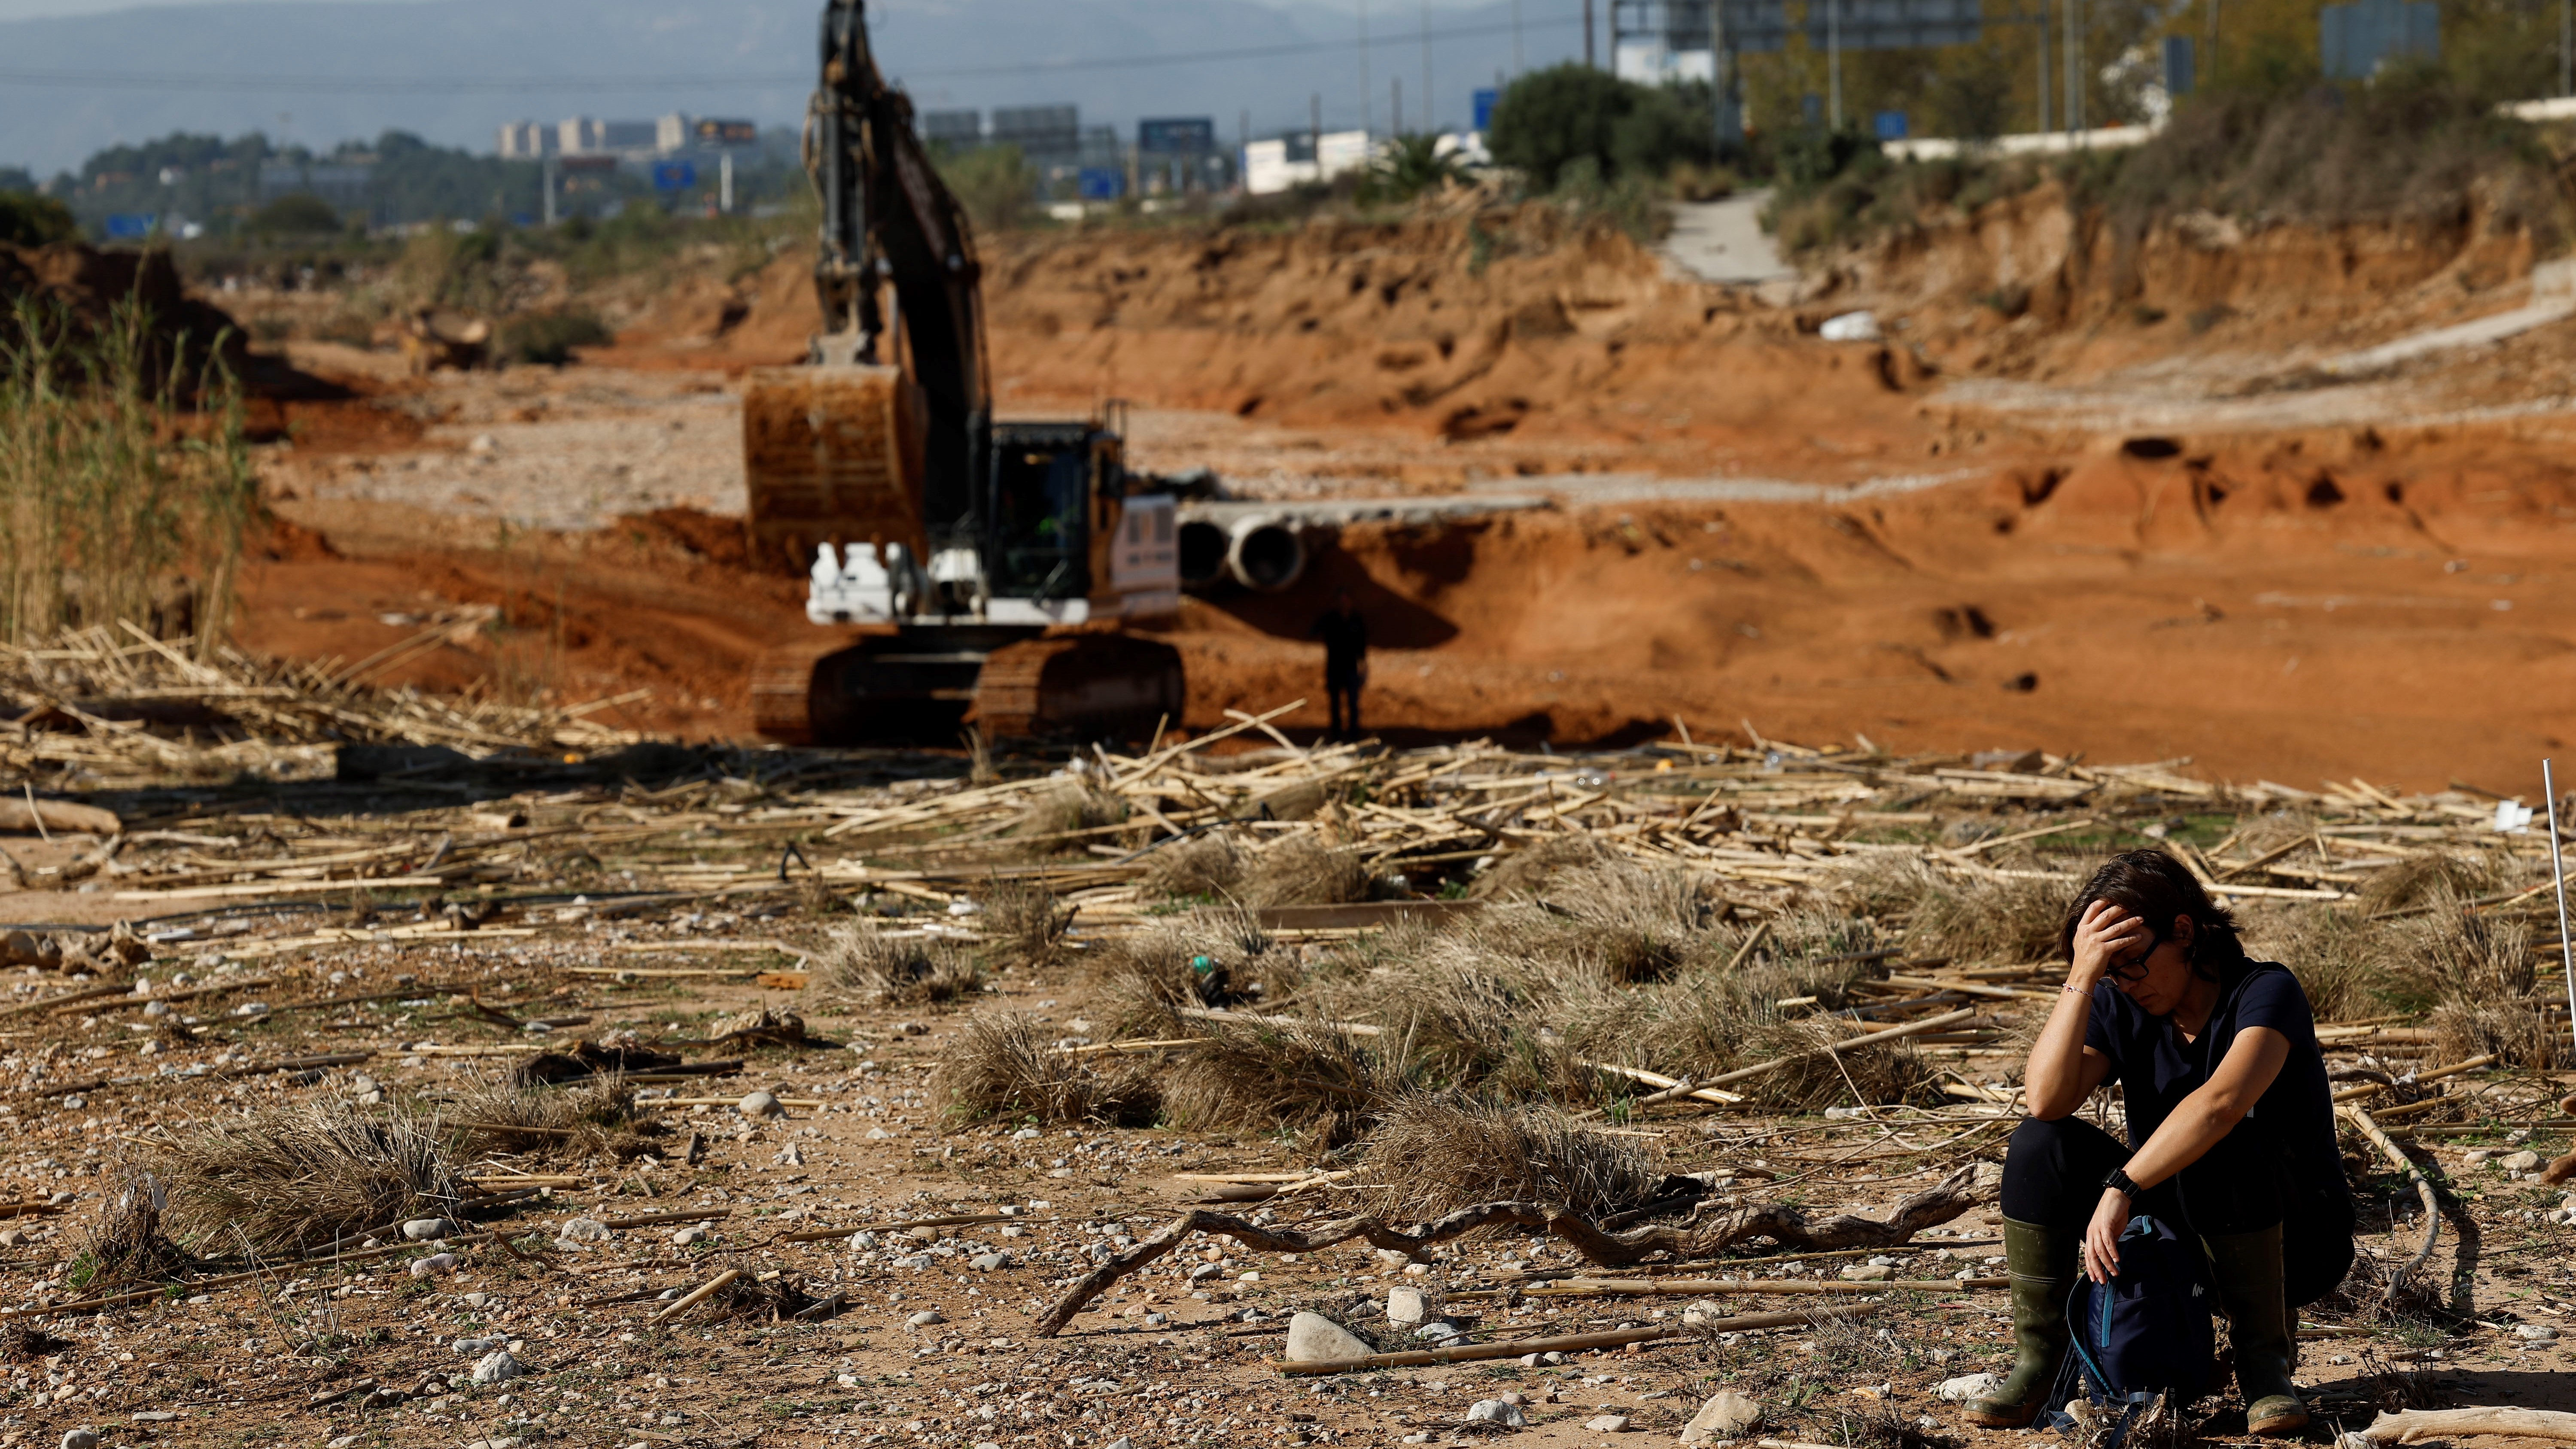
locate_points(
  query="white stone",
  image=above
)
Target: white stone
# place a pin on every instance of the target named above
(583, 1230)
(690, 1234)
(80, 1439)
(434, 1263)
(1726, 1415)
(989, 1262)
(925, 1318)
(497, 1367)
(477, 1347)
(2524, 1161)
(760, 1104)
(1868, 1273)
(1969, 1386)
(1439, 1330)
(477, 1300)
(862, 1240)
(1312, 1338)
(1495, 1411)
(2537, 1332)
(1850, 327)
(1701, 1314)
(1607, 1424)
(1409, 1304)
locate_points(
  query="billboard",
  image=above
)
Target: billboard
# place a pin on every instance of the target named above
(674, 175)
(1099, 183)
(2353, 40)
(131, 225)
(1038, 128)
(1176, 136)
(1894, 24)
(1485, 101)
(714, 132)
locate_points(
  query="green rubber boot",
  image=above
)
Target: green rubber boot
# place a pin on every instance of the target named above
(2042, 1264)
(2248, 1269)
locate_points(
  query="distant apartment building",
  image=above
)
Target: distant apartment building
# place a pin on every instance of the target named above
(526, 141)
(1302, 157)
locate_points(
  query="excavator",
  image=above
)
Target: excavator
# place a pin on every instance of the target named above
(973, 574)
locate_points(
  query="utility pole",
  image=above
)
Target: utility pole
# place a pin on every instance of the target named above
(1428, 124)
(2566, 48)
(1368, 103)
(1395, 97)
(1588, 63)
(1516, 37)
(2043, 66)
(724, 182)
(547, 169)
(2074, 66)
(1834, 64)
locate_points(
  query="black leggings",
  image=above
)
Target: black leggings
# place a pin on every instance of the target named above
(2053, 1177)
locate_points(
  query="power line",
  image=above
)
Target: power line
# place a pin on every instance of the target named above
(415, 85)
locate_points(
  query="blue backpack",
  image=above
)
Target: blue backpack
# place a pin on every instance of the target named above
(2148, 1330)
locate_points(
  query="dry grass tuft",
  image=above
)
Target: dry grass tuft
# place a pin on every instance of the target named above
(1326, 1083)
(1303, 871)
(865, 967)
(1003, 1066)
(126, 1244)
(1023, 922)
(2430, 880)
(1074, 805)
(1534, 872)
(297, 1175)
(1985, 919)
(1440, 1153)
(494, 1114)
(1203, 867)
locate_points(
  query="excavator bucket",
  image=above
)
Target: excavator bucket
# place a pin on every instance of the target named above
(830, 453)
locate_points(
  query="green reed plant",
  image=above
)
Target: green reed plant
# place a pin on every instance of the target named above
(125, 478)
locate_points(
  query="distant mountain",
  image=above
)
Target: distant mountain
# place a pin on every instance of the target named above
(319, 73)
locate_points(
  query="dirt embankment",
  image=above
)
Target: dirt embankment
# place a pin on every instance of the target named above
(2038, 285)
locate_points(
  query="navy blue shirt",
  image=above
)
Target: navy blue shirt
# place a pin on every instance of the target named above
(2156, 1069)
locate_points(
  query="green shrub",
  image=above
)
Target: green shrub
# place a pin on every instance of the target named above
(548, 338)
(1550, 119)
(28, 220)
(298, 214)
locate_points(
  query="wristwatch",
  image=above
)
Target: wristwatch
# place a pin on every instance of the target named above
(2119, 1181)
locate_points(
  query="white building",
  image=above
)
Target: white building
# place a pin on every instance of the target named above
(526, 140)
(1273, 166)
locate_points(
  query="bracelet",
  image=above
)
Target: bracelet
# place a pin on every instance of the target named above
(2119, 1182)
(2072, 989)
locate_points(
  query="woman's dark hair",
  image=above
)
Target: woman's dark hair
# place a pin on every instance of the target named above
(2155, 887)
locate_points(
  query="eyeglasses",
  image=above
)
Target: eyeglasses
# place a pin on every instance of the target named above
(2134, 969)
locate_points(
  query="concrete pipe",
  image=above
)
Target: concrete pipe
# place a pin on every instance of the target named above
(1204, 546)
(1265, 554)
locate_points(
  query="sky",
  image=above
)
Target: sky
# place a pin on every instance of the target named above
(84, 75)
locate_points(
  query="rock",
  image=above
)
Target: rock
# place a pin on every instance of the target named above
(13, 1237)
(477, 1347)
(1969, 1386)
(434, 1263)
(2476, 1156)
(1607, 1424)
(760, 1104)
(1868, 1273)
(690, 1234)
(508, 1443)
(862, 1240)
(1850, 327)
(2534, 1332)
(1313, 1338)
(1495, 1411)
(989, 1262)
(497, 1367)
(477, 1300)
(1726, 1415)
(80, 1439)
(1439, 1330)
(916, 1261)
(1409, 1304)
(1122, 1444)
(925, 1318)
(2524, 1161)
(912, 1028)
(583, 1230)
(1701, 1314)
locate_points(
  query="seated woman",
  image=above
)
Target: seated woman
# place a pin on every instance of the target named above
(2231, 1132)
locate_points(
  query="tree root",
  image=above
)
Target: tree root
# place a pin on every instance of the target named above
(1781, 1223)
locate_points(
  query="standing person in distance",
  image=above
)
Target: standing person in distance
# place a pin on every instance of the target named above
(1345, 636)
(2231, 1134)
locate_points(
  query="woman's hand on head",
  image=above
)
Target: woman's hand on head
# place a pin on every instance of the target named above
(2104, 935)
(2101, 1249)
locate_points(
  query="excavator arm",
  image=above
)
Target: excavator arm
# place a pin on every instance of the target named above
(890, 225)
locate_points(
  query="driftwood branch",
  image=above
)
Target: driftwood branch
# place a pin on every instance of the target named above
(1911, 1028)
(2361, 1121)
(2416, 1425)
(1781, 1223)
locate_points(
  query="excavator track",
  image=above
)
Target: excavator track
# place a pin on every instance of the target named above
(922, 686)
(1091, 685)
